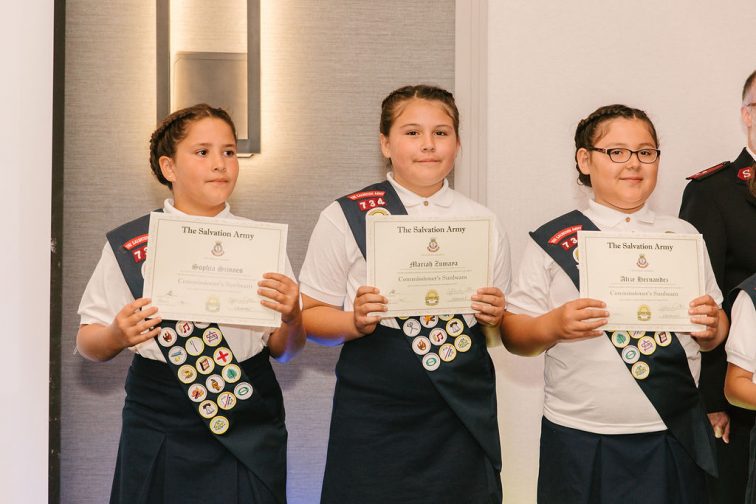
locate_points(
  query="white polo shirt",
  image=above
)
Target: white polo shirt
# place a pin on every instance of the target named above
(334, 267)
(107, 293)
(741, 343)
(588, 386)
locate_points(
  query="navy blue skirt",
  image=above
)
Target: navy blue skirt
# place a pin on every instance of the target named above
(394, 439)
(166, 452)
(580, 467)
(751, 488)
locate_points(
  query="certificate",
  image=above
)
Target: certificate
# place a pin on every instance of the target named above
(206, 269)
(646, 280)
(428, 266)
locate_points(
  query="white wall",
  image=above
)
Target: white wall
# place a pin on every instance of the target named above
(26, 37)
(552, 63)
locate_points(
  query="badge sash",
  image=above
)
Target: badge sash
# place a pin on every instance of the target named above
(216, 385)
(657, 361)
(450, 346)
(749, 286)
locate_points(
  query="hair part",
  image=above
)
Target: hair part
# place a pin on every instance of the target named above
(747, 86)
(174, 128)
(394, 103)
(591, 129)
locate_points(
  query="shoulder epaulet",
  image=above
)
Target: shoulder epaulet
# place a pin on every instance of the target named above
(709, 171)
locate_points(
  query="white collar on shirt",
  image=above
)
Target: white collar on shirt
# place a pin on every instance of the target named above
(605, 217)
(170, 209)
(444, 197)
(751, 153)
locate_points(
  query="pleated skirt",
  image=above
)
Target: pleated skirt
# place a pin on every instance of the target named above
(579, 467)
(394, 439)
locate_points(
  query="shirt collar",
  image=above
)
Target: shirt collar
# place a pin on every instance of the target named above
(444, 197)
(751, 153)
(605, 217)
(170, 209)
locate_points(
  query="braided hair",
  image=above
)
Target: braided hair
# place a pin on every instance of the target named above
(390, 108)
(174, 128)
(589, 130)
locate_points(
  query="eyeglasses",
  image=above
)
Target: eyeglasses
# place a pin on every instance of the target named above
(622, 155)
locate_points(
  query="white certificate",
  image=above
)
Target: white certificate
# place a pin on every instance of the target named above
(647, 280)
(428, 266)
(206, 269)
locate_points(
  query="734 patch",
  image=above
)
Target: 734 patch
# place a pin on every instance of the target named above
(567, 237)
(368, 200)
(138, 247)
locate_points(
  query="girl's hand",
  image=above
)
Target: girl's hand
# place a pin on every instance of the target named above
(704, 310)
(489, 302)
(580, 318)
(283, 296)
(720, 424)
(131, 325)
(368, 299)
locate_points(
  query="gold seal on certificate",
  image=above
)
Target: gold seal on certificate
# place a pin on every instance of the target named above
(206, 270)
(428, 266)
(646, 280)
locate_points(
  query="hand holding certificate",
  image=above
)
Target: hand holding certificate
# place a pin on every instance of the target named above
(647, 280)
(428, 266)
(206, 270)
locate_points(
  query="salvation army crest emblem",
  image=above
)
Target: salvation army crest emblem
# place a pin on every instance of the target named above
(217, 249)
(642, 261)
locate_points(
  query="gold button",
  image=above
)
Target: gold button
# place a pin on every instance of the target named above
(425, 203)
(627, 219)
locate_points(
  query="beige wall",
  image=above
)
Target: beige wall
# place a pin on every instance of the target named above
(552, 63)
(325, 68)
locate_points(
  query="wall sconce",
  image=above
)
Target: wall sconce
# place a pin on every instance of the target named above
(210, 52)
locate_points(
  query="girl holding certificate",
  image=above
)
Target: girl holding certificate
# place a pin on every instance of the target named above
(203, 418)
(622, 419)
(414, 411)
(740, 382)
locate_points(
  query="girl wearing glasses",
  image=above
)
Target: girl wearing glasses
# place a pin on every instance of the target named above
(617, 428)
